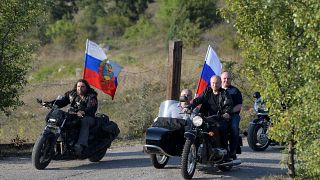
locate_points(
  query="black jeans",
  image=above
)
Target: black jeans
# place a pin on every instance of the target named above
(86, 123)
(223, 132)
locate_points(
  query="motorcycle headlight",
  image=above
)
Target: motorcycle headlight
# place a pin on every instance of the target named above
(197, 121)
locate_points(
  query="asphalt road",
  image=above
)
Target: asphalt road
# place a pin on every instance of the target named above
(130, 162)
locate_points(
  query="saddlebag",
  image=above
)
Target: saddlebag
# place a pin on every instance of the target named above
(107, 127)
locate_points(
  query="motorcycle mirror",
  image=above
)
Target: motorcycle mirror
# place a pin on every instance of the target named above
(39, 100)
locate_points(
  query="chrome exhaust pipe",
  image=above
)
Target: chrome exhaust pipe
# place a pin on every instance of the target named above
(231, 163)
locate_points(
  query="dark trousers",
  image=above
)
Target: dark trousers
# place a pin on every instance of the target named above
(234, 133)
(86, 123)
(223, 132)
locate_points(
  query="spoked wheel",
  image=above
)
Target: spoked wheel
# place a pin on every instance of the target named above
(159, 161)
(42, 152)
(98, 155)
(257, 137)
(188, 159)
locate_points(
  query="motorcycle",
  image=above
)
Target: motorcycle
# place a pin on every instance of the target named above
(61, 134)
(202, 145)
(258, 130)
(165, 138)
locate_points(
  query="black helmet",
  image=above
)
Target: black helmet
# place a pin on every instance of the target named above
(256, 95)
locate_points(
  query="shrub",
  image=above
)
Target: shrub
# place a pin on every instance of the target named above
(63, 32)
(142, 30)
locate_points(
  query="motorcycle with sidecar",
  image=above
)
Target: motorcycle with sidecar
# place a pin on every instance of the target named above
(165, 138)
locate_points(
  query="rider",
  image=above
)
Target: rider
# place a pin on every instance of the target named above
(236, 96)
(83, 103)
(174, 110)
(215, 101)
(259, 104)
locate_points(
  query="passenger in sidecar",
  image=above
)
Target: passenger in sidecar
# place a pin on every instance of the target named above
(165, 137)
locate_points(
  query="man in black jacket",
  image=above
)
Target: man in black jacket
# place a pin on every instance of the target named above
(216, 101)
(83, 102)
(236, 96)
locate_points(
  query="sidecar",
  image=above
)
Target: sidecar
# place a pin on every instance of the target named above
(165, 138)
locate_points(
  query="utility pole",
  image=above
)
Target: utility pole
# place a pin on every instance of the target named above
(174, 70)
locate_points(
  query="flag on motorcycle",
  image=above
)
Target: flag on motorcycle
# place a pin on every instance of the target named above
(212, 66)
(100, 72)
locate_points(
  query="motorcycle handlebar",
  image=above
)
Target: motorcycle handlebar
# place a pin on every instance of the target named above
(45, 104)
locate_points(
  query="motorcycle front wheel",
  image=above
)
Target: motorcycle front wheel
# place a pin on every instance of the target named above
(42, 151)
(159, 161)
(257, 137)
(188, 159)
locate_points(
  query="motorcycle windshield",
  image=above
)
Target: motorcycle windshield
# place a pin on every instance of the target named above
(164, 110)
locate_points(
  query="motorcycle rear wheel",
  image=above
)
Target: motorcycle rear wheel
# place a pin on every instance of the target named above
(225, 168)
(257, 137)
(159, 161)
(188, 159)
(98, 155)
(42, 152)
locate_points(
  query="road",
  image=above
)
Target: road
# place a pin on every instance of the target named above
(130, 163)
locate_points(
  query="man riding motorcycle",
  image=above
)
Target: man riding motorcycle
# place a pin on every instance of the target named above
(83, 104)
(215, 101)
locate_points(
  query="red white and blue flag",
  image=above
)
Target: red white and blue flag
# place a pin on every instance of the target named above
(212, 66)
(100, 72)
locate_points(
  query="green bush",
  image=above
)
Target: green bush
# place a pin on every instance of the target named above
(189, 34)
(114, 25)
(63, 32)
(142, 30)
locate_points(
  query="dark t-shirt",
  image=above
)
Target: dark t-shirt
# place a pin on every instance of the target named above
(236, 96)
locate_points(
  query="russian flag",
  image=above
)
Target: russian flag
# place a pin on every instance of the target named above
(212, 66)
(98, 71)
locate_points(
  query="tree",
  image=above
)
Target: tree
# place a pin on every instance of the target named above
(61, 8)
(186, 19)
(280, 45)
(131, 8)
(16, 17)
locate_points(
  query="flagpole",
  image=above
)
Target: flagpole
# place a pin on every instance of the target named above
(85, 59)
(202, 69)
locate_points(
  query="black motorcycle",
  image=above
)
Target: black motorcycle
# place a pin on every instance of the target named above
(203, 146)
(61, 134)
(258, 129)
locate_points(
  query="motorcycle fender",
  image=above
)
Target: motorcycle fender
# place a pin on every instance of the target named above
(47, 132)
(190, 135)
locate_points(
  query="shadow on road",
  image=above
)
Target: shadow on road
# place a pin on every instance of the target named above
(109, 164)
(241, 172)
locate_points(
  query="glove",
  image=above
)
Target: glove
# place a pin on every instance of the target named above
(80, 113)
(46, 104)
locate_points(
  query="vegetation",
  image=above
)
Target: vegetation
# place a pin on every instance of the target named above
(16, 16)
(280, 43)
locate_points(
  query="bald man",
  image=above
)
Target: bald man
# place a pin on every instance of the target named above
(236, 96)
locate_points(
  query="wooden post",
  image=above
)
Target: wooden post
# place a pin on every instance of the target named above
(174, 70)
